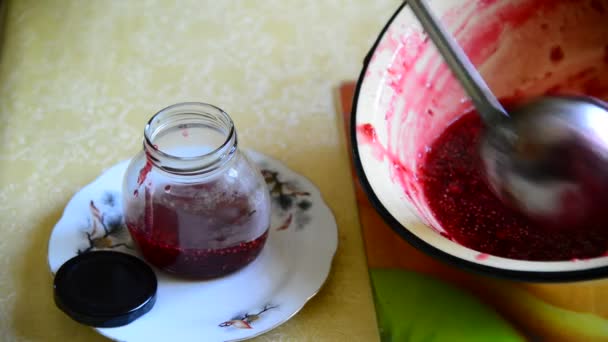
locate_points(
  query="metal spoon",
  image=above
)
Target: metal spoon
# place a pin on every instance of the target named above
(547, 158)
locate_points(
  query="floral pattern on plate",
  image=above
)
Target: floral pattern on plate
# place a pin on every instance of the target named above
(244, 321)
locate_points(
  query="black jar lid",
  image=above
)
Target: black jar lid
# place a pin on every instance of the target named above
(105, 288)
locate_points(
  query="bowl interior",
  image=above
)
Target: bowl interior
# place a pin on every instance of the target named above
(407, 96)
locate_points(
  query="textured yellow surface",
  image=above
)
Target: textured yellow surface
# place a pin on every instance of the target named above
(78, 80)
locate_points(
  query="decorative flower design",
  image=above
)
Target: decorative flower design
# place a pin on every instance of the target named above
(292, 202)
(107, 229)
(286, 223)
(244, 321)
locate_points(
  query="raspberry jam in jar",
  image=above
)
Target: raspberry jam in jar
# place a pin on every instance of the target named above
(195, 205)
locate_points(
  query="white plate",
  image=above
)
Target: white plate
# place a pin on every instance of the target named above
(290, 270)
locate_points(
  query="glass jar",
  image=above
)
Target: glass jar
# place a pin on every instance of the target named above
(195, 205)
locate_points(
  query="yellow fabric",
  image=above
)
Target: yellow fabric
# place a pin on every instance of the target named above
(79, 79)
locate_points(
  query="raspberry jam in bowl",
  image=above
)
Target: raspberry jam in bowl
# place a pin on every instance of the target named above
(195, 205)
(415, 132)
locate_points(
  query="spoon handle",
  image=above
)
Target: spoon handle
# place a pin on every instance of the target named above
(483, 99)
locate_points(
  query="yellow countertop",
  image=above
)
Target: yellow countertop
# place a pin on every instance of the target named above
(79, 79)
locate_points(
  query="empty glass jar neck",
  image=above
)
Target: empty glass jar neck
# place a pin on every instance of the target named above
(190, 139)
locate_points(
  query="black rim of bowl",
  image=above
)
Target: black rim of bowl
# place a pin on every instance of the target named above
(407, 235)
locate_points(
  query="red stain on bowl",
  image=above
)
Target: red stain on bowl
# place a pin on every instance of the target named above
(482, 256)
(367, 135)
(430, 142)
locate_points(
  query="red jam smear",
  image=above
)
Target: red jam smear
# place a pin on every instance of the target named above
(473, 216)
(195, 262)
(181, 235)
